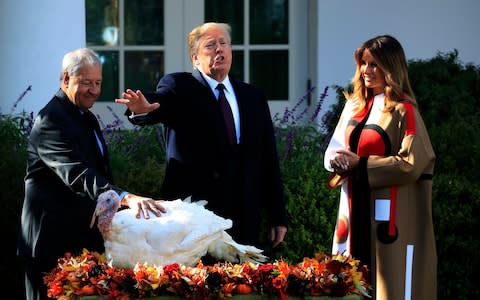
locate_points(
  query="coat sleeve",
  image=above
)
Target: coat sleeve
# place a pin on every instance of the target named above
(414, 157)
(165, 95)
(337, 141)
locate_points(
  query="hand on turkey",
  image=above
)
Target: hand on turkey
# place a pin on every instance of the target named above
(143, 205)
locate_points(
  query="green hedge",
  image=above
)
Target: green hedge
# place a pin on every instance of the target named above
(12, 171)
(448, 93)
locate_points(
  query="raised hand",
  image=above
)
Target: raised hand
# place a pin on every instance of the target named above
(136, 102)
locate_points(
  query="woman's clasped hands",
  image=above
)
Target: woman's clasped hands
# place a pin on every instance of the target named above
(344, 161)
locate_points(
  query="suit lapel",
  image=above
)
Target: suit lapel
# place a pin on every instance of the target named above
(199, 77)
(102, 157)
(101, 161)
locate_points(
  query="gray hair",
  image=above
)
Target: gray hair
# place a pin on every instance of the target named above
(73, 61)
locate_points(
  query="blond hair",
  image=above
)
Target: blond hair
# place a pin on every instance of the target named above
(197, 33)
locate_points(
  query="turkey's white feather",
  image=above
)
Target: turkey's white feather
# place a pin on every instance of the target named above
(185, 233)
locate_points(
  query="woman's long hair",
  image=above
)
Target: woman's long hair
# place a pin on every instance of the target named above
(390, 58)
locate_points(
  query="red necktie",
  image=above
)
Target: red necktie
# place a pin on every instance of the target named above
(227, 114)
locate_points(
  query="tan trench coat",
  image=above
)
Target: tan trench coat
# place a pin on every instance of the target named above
(398, 186)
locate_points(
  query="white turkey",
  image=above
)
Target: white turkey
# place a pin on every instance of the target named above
(184, 234)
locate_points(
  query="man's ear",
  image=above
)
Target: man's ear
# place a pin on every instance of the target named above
(195, 59)
(65, 79)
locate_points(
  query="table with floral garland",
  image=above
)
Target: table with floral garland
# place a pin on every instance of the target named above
(240, 297)
(90, 276)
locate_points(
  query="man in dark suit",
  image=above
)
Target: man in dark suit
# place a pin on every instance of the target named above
(67, 168)
(238, 171)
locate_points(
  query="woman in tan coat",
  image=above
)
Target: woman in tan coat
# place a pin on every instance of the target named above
(381, 156)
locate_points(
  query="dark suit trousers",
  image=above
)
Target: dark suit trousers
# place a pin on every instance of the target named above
(237, 208)
(35, 269)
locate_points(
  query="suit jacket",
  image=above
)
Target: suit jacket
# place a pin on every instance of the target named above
(65, 173)
(240, 181)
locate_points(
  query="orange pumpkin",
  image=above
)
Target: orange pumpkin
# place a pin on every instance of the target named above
(87, 290)
(243, 289)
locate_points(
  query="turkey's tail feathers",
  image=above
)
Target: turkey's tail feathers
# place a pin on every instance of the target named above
(198, 202)
(227, 249)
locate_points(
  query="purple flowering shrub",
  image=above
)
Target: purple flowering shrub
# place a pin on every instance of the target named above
(301, 140)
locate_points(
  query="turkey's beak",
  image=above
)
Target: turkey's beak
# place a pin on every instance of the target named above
(94, 217)
(96, 213)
